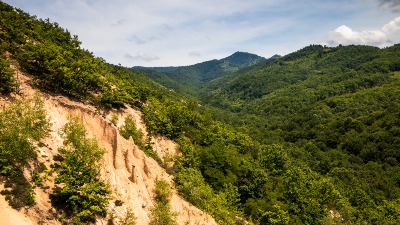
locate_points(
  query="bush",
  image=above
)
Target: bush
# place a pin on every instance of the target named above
(129, 219)
(129, 130)
(275, 217)
(162, 191)
(7, 81)
(21, 125)
(83, 196)
(161, 213)
(220, 205)
(16, 142)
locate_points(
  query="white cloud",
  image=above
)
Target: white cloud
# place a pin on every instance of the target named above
(169, 28)
(175, 31)
(141, 56)
(387, 35)
(392, 30)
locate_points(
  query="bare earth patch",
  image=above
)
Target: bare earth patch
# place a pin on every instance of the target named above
(129, 172)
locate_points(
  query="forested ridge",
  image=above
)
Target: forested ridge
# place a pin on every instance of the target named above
(189, 79)
(310, 138)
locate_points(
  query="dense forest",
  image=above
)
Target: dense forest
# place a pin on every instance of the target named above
(309, 138)
(188, 80)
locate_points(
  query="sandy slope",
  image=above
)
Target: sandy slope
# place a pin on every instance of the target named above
(121, 156)
(10, 216)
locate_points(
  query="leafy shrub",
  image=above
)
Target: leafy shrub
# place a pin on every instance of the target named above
(161, 212)
(222, 205)
(309, 196)
(128, 219)
(129, 130)
(114, 119)
(21, 125)
(37, 180)
(83, 196)
(162, 191)
(16, 142)
(276, 216)
(7, 81)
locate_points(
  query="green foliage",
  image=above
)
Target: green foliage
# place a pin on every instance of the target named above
(275, 217)
(334, 110)
(129, 130)
(161, 215)
(192, 185)
(388, 213)
(37, 180)
(14, 27)
(273, 159)
(129, 219)
(16, 142)
(72, 71)
(170, 118)
(58, 63)
(161, 212)
(82, 195)
(7, 81)
(22, 124)
(114, 119)
(17, 148)
(188, 79)
(309, 197)
(162, 191)
(222, 206)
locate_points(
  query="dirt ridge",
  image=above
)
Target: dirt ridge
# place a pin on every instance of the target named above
(122, 160)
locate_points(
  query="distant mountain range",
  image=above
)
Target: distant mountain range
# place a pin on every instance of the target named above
(186, 78)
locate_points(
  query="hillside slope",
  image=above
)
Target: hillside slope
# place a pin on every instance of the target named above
(136, 194)
(195, 75)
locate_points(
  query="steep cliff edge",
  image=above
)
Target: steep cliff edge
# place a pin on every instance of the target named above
(129, 172)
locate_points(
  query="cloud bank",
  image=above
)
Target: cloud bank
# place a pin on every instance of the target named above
(184, 32)
(391, 5)
(389, 34)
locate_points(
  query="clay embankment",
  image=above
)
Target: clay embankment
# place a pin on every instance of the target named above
(120, 158)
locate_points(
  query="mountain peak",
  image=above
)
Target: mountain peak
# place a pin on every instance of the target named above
(243, 59)
(197, 74)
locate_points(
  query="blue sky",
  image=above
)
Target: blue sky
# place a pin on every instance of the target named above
(185, 32)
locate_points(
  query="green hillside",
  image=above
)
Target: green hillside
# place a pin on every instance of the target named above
(336, 108)
(206, 71)
(302, 81)
(195, 75)
(217, 82)
(309, 138)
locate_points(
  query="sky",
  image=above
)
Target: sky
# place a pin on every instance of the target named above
(185, 32)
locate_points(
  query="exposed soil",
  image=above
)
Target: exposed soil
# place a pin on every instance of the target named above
(122, 160)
